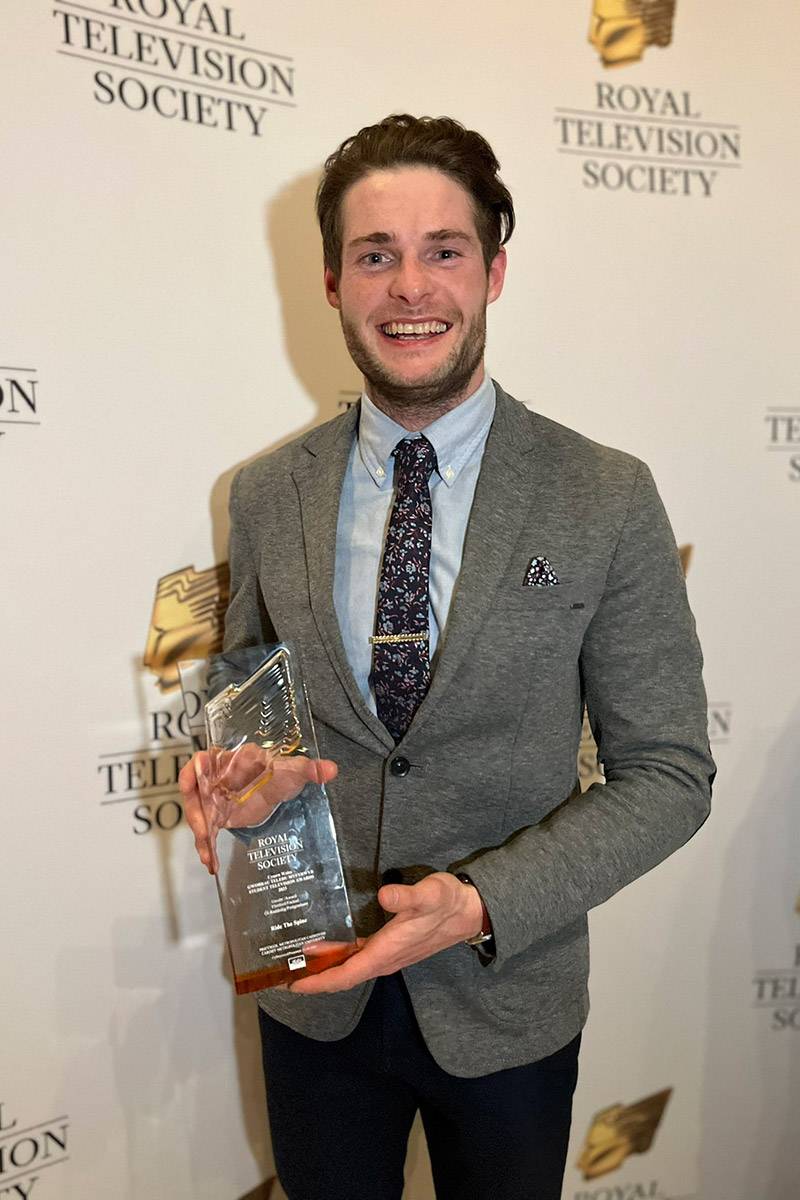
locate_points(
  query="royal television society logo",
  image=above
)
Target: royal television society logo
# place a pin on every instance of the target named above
(641, 139)
(615, 1133)
(783, 436)
(720, 720)
(181, 60)
(19, 404)
(621, 30)
(776, 990)
(647, 140)
(27, 1153)
(186, 622)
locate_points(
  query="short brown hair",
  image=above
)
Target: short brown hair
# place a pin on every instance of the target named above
(401, 140)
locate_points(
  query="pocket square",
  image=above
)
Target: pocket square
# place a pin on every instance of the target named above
(540, 573)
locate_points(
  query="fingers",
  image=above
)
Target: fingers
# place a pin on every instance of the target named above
(326, 770)
(187, 779)
(192, 807)
(366, 963)
(221, 774)
(195, 818)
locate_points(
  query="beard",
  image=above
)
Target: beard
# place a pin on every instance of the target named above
(442, 388)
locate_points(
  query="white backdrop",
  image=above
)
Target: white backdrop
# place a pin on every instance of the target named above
(162, 320)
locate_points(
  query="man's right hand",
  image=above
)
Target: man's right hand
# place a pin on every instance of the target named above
(241, 788)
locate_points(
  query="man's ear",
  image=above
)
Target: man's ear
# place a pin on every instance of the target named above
(497, 274)
(331, 288)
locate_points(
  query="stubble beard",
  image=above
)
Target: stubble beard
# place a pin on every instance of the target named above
(444, 388)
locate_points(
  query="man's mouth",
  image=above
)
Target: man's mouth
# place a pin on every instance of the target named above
(409, 331)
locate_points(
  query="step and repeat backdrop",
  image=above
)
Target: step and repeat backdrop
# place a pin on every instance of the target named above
(163, 321)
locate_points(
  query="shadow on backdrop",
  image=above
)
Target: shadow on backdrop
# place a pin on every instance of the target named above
(752, 1070)
(311, 334)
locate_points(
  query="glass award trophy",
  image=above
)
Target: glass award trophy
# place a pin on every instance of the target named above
(270, 830)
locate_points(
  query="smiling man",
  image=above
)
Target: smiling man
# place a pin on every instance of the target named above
(463, 576)
(412, 293)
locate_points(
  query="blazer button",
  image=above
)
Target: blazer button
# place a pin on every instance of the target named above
(399, 766)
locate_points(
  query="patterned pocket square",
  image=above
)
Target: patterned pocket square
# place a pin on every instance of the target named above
(540, 573)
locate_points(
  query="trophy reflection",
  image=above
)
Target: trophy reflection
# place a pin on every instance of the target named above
(268, 821)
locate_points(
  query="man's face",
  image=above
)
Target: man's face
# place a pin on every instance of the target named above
(413, 287)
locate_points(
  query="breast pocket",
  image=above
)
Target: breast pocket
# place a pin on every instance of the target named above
(559, 597)
(551, 621)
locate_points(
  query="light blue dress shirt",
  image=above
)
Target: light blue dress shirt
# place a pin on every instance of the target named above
(459, 439)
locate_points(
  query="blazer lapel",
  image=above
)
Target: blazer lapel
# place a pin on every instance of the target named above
(319, 485)
(503, 496)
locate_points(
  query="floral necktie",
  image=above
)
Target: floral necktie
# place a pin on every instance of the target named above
(401, 669)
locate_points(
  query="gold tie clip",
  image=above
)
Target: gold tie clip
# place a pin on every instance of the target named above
(383, 639)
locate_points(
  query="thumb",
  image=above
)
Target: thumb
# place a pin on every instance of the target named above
(396, 897)
(323, 770)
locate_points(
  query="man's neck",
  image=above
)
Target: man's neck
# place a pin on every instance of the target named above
(415, 417)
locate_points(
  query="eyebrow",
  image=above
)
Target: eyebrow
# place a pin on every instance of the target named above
(380, 238)
(449, 235)
(372, 239)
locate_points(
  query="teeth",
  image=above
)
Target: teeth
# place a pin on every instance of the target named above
(418, 329)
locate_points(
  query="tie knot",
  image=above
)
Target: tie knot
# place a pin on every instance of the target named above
(415, 456)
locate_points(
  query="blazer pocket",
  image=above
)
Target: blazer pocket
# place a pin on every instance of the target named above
(557, 596)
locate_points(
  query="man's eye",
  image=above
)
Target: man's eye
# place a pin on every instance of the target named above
(446, 254)
(374, 258)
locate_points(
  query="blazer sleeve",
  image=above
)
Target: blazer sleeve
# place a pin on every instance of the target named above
(247, 622)
(641, 672)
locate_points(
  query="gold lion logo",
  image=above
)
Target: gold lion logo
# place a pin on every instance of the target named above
(618, 1131)
(621, 30)
(187, 621)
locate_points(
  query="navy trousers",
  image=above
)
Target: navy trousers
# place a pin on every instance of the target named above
(341, 1112)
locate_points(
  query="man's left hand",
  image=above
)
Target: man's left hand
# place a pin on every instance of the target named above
(429, 916)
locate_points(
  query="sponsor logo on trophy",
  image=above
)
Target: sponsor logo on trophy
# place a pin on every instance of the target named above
(621, 30)
(620, 1130)
(187, 621)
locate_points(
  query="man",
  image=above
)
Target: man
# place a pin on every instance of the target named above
(461, 577)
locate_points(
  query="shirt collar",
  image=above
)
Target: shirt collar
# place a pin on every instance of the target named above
(454, 437)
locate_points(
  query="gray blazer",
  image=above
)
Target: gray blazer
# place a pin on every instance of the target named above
(492, 787)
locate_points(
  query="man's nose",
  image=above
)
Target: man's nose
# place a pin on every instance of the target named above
(410, 282)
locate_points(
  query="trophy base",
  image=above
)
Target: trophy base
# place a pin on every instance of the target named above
(282, 973)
